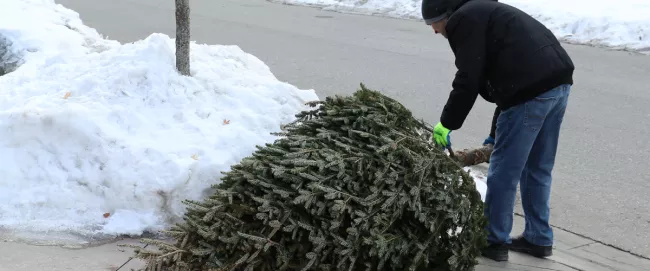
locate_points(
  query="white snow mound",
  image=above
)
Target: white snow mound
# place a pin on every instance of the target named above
(51, 30)
(406, 9)
(480, 181)
(621, 25)
(90, 127)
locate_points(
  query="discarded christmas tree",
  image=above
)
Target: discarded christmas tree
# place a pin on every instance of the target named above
(354, 184)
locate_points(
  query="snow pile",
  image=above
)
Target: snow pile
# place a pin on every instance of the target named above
(100, 138)
(480, 180)
(408, 9)
(621, 25)
(51, 30)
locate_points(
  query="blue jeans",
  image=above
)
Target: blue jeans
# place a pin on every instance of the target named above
(524, 152)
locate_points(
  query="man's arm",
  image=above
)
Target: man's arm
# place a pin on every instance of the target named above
(467, 39)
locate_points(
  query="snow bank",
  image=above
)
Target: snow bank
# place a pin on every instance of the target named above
(480, 181)
(98, 137)
(408, 9)
(621, 25)
(31, 31)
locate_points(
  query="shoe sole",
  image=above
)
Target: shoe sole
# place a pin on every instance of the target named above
(498, 258)
(534, 254)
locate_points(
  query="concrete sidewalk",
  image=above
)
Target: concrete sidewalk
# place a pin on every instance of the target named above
(571, 253)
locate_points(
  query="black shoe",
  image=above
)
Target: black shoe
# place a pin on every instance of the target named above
(520, 244)
(496, 252)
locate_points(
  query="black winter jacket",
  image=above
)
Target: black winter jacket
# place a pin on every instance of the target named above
(502, 54)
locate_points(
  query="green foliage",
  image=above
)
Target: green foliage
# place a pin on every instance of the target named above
(354, 184)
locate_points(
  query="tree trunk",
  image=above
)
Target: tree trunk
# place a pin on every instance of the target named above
(183, 36)
(471, 157)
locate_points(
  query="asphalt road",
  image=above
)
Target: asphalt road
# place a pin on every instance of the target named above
(601, 186)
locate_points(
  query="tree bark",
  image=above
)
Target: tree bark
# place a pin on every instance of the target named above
(471, 157)
(183, 36)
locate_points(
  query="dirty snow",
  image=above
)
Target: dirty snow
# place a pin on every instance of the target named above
(102, 138)
(622, 25)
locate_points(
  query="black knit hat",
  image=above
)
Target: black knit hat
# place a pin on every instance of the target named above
(436, 10)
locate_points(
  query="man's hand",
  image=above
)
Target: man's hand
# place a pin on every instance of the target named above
(441, 135)
(488, 140)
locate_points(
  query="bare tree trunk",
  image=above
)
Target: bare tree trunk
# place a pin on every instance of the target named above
(183, 36)
(471, 157)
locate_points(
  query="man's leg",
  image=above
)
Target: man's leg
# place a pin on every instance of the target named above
(536, 178)
(514, 140)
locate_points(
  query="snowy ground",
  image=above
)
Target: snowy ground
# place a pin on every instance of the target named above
(481, 181)
(99, 138)
(620, 25)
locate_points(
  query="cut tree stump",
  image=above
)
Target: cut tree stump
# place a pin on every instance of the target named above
(471, 157)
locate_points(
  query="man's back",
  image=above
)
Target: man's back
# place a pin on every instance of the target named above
(522, 58)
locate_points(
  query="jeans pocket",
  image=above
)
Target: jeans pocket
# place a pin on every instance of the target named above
(536, 111)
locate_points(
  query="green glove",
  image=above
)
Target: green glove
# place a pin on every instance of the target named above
(441, 135)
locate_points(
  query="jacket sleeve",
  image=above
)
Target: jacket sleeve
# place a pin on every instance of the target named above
(467, 40)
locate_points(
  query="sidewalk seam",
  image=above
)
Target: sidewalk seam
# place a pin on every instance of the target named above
(569, 266)
(588, 244)
(594, 240)
(544, 268)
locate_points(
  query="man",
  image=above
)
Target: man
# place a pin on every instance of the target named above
(510, 59)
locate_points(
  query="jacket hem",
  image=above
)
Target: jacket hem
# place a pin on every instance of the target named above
(529, 93)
